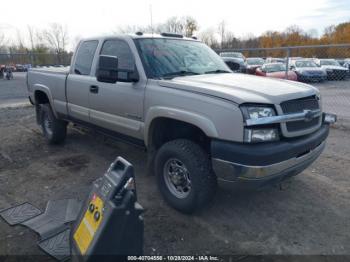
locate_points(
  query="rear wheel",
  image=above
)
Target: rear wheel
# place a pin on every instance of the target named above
(184, 175)
(54, 129)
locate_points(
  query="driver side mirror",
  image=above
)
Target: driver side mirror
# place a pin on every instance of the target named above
(108, 71)
(292, 67)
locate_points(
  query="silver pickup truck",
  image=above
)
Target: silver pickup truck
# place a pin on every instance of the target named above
(200, 123)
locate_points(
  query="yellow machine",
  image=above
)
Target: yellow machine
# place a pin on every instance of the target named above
(111, 222)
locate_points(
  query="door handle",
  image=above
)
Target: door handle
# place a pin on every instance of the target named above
(94, 89)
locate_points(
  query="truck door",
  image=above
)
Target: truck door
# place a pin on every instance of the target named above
(119, 106)
(79, 81)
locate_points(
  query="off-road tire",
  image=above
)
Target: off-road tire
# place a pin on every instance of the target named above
(56, 133)
(202, 178)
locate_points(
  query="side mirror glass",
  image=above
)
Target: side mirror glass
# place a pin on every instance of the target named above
(107, 70)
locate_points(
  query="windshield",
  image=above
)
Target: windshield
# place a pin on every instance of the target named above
(274, 68)
(330, 62)
(164, 57)
(255, 61)
(305, 64)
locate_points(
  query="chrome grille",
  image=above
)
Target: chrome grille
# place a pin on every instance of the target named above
(298, 106)
(300, 125)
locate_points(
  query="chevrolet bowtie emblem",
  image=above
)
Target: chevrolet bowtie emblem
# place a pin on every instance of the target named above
(309, 115)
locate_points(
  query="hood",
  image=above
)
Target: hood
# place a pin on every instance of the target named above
(241, 88)
(333, 67)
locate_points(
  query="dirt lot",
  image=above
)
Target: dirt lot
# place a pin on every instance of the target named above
(307, 215)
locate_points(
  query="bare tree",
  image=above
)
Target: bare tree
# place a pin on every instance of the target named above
(19, 40)
(3, 40)
(174, 25)
(32, 37)
(56, 37)
(230, 41)
(129, 29)
(3, 43)
(208, 37)
(222, 32)
(76, 41)
(191, 25)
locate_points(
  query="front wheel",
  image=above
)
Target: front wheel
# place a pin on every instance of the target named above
(184, 175)
(54, 129)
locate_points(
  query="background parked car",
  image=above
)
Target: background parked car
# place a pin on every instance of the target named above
(347, 65)
(233, 54)
(237, 65)
(20, 68)
(236, 61)
(12, 67)
(275, 60)
(276, 70)
(308, 71)
(334, 70)
(253, 63)
(2, 70)
(27, 66)
(294, 58)
(341, 61)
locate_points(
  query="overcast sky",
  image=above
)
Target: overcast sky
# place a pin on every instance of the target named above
(88, 18)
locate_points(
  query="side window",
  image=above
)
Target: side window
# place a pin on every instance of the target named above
(120, 49)
(84, 58)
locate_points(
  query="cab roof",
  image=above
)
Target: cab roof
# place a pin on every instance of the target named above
(140, 35)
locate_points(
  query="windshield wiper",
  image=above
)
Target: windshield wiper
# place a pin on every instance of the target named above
(217, 71)
(179, 73)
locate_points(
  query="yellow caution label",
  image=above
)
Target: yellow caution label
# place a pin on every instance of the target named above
(89, 224)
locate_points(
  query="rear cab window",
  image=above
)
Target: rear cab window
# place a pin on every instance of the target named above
(85, 56)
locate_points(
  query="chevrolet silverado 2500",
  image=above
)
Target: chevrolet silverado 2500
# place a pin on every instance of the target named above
(200, 123)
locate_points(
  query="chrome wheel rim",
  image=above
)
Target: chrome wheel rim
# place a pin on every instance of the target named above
(177, 178)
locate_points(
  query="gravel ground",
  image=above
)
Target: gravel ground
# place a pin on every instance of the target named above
(307, 215)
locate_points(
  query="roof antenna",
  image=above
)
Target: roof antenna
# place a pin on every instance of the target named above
(150, 10)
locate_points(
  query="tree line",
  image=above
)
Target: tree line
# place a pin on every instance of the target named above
(50, 45)
(37, 46)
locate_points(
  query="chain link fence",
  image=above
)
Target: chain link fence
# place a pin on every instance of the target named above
(325, 66)
(35, 59)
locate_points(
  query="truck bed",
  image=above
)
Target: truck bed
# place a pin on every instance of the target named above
(58, 70)
(53, 82)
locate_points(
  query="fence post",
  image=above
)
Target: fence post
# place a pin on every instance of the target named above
(31, 58)
(287, 62)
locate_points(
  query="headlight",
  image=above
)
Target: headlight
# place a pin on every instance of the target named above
(261, 135)
(255, 112)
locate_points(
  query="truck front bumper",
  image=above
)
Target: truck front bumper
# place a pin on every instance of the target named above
(266, 163)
